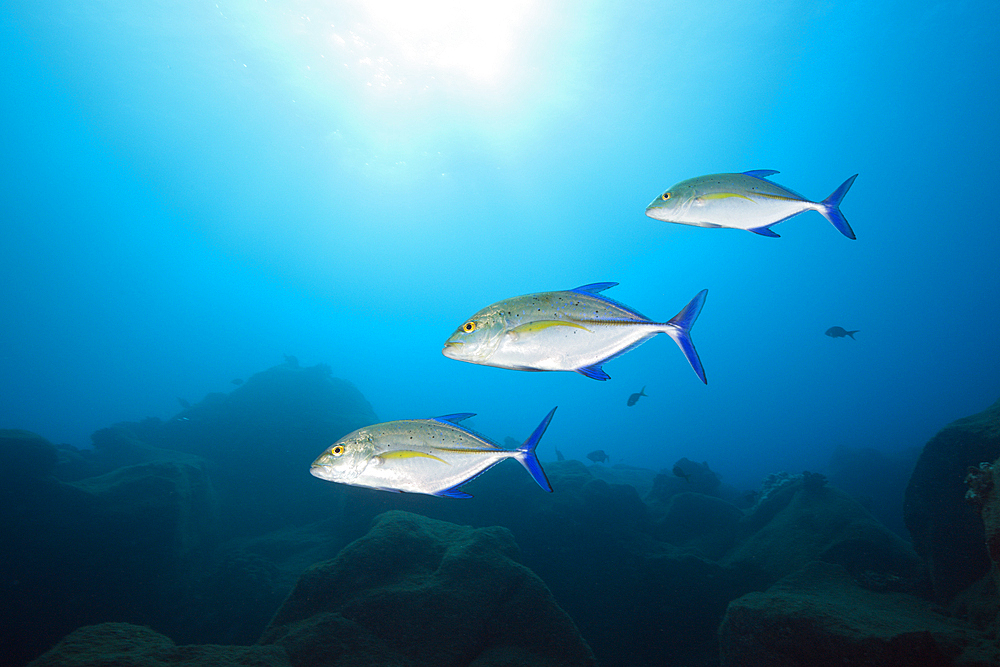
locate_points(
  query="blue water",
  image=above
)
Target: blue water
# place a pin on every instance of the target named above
(191, 190)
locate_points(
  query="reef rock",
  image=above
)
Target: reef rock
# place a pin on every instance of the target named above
(947, 532)
(980, 602)
(24, 457)
(125, 645)
(803, 519)
(699, 478)
(117, 546)
(416, 591)
(820, 618)
(261, 438)
(705, 523)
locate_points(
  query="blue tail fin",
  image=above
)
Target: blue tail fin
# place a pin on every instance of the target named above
(526, 454)
(680, 331)
(831, 208)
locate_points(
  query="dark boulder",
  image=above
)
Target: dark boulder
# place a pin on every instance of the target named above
(125, 645)
(705, 523)
(24, 457)
(121, 546)
(803, 520)
(946, 530)
(417, 591)
(819, 617)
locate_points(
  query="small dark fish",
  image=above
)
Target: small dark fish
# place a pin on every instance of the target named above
(184, 403)
(679, 471)
(559, 455)
(634, 398)
(598, 456)
(237, 381)
(840, 332)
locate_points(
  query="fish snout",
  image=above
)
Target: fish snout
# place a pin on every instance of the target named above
(452, 349)
(321, 471)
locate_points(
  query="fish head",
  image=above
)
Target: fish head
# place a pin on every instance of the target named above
(346, 459)
(672, 205)
(478, 338)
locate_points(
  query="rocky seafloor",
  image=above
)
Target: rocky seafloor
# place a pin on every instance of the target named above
(199, 540)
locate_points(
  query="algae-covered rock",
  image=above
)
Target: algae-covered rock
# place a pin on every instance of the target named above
(260, 439)
(121, 546)
(947, 532)
(818, 617)
(805, 520)
(166, 506)
(980, 601)
(125, 645)
(429, 592)
(24, 456)
(705, 523)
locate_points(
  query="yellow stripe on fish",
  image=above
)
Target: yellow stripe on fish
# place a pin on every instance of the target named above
(541, 325)
(409, 454)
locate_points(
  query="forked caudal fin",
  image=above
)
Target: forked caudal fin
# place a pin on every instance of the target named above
(830, 208)
(526, 454)
(680, 330)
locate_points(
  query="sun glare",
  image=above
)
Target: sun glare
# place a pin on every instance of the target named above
(478, 39)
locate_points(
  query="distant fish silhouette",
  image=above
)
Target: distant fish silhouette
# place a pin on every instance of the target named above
(598, 456)
(559, 455)
(634, 398)
(840, 332)
(679, 471)
(237, 381)
(291, 361)
(184, 403)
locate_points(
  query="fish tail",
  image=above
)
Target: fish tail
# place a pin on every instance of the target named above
(680, 330)
(851, 333)
(526, 454)
(830, 208)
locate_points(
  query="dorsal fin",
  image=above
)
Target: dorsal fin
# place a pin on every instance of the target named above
(455, 418)
(593, 288)
(761, 173)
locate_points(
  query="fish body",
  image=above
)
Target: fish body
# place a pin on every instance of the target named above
(743, 201)
(634, 398)
(431, 456)
(598, 456)
(840, 332)
(573, 330)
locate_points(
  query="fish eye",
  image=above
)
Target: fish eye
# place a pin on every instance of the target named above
(469, 327)
(337, 450)
(665, 196)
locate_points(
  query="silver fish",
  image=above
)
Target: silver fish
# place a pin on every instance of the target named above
(743, 201)
(432, 456)
(573, 330)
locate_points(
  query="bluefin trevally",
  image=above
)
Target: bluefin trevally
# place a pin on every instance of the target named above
(573, 330)
(743, 201)
(840, 332)
(432, 456)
